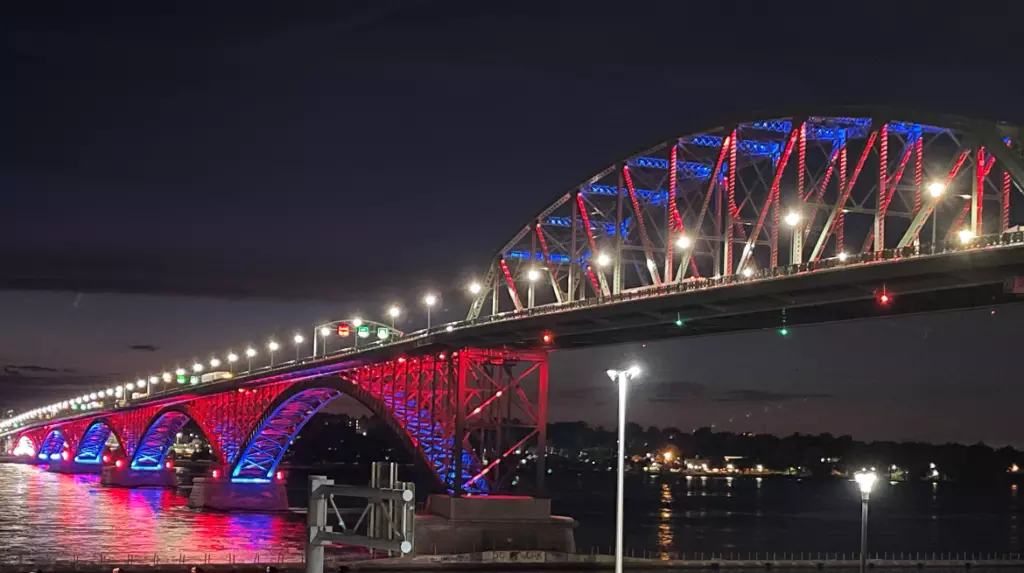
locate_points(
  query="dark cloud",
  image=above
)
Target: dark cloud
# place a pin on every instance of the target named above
(761, 396)
(19, 369)
(144, 347)
(674, 391)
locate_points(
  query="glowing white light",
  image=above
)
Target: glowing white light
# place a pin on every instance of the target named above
(197, 367)
(683, 242)
(154, 380)
(842, 257)
(634, 371)
(792, 218)
(357, 322)
(394, 311)
(214, 362)
(936, 189)
(140, 384)
(250, 352)
(532, 274)
(299, 339)
(179, 372)
(166, 376)
(273, 345)
(475, 288)
(747, 272)
(232, 357)
(430, 300)
(603, 260)
(865, 481)
(109, 392)
(966, 235)
(650, 264)
(449, 328)
(324, 331)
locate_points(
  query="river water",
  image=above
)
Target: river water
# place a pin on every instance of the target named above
(47, 514)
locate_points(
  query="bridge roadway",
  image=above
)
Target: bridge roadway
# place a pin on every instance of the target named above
(975, 275)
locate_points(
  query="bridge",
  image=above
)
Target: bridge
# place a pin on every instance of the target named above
(766, 223)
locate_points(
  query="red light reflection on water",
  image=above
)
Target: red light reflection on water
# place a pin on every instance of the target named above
(65, 516)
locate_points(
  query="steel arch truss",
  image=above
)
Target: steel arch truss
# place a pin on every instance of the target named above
(157, 441)
(261, 456)
(93, 443)
(752, 197)
(52, 446)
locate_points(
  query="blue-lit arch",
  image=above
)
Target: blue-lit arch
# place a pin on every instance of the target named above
(294, 408)
(158, 439)
(94, 442)
(52, 446)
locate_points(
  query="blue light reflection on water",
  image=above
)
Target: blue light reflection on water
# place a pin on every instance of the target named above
(46, 514)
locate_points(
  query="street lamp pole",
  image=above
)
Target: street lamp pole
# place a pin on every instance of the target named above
(622, 377)
(865, 481)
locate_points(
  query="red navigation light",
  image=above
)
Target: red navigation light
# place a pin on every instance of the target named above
(215, 474)
(118, 464)
(169, 464)
(106, 458)
(279, 475)
(884, 298)
(401, 358)
(440, 356)
(547, 338)
(343, 330)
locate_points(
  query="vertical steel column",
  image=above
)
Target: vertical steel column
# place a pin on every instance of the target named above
(883, 173)
(779, 166)
(542, 424)
(573, 268)
(531, 270)
(731, 188)
(918, 168)
(841, 216)
(670, 229)
(978, 193)
(316, 517)
(719, 221)
(797, 248)
(617, 267)
(460, 419)
(494, 297)
(1004, 201)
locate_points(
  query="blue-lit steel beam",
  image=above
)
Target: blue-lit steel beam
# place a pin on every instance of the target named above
(158, 440)
(684, 169)
(90, 449)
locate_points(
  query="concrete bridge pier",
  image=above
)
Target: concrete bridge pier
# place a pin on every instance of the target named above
(218, 491)
(471, 524)
(63, 466)
(123, 476)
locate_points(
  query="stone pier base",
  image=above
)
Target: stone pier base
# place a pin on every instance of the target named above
(471, 524)
(73, 467)
(124, 477)
(225, 495)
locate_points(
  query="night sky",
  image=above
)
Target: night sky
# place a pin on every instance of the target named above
(362, 152)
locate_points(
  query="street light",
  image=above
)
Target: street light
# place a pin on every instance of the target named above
(966, 236)
(324, 333)
(249, 353)
(792, 218)
(683, 242)
(214, 362)
(197, 367)
(430, 300)
(622, 377)
(532, 275)
(299, 339)
(475, 288)
(603, 260)
(232, 358)
(865, 481)
(393, 312)
(747, 272)
(936, 189)
(272, 346)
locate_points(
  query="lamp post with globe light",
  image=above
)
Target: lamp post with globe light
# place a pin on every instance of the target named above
(430, 300)
(865, 482)
(622, 377)
(299, 339)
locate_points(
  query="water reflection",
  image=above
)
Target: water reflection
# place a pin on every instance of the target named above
(52, 515)
(666, 537)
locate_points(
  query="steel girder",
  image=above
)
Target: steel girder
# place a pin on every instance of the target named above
(745, 198)
(93, 442)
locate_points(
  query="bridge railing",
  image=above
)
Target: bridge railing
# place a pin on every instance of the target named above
(994, 240)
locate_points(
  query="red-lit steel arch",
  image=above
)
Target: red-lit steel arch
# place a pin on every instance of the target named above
(758, 194)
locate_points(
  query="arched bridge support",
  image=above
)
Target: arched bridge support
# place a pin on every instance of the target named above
(470, 415)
